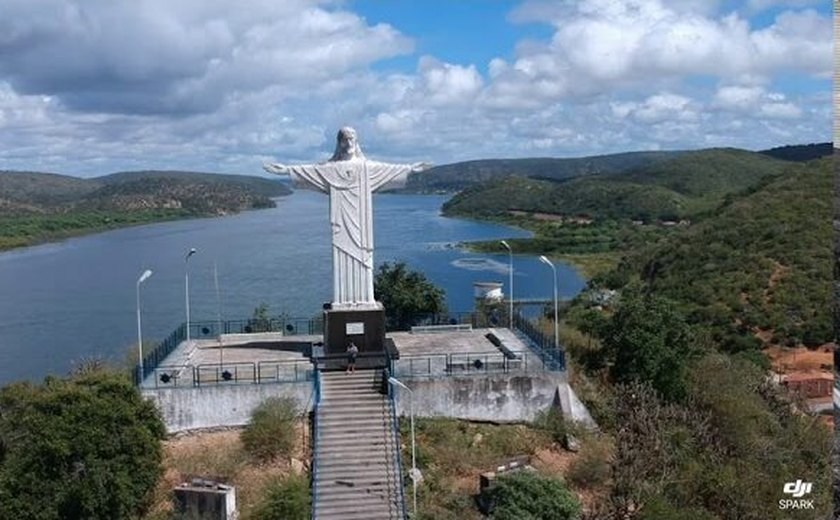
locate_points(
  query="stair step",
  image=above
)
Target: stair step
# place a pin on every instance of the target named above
(335, 425)
(330, 421)
(356, 463)
(343, 476)
(351, 507)
(360, 394)
(357, 515)
(331, 452)
(348, 387)
(358, 374)
(369, 407)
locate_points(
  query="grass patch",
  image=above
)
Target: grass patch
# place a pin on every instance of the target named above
(223, 455)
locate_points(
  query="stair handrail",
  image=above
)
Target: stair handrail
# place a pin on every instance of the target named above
(315, 442)
(398, 448)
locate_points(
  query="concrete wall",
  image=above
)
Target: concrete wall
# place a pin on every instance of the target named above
(485, 397)
(189, 408)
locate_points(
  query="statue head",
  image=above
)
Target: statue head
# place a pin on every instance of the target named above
(347, 145)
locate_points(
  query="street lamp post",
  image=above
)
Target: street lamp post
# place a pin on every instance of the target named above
(415, 475)
(187, 286)
(548, 262)
(510, 284)
(143, 277)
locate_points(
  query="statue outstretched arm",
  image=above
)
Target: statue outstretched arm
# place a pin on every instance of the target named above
(391, 176)
(307, 176)
(276, 168)
(420, 166)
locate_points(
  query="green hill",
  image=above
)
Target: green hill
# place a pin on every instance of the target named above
(37, 207)
(763, 264)
(679, 187)
(801, 152)
(37, 192)
(459, 176)
(594, 198)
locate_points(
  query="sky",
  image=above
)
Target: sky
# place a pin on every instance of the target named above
(90, 87)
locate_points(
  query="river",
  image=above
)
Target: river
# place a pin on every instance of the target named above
(68, 301)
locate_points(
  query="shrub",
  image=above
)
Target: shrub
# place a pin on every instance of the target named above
(553, 423)
(288, 498)
(271, 430)
(525, 495)
(592, 467)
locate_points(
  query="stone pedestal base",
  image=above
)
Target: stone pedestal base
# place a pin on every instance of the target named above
(363, 326)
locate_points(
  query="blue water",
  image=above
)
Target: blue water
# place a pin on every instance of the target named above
(67, 301)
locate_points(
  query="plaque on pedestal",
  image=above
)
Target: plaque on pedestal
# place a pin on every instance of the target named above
(364, 326)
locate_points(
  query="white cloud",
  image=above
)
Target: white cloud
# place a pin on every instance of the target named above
(604, 46)
(755, 101)
(189, 56)
(95, 86)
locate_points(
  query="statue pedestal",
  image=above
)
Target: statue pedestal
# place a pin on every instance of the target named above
(364, 325)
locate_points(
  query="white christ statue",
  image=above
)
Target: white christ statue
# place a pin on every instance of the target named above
(349, 179)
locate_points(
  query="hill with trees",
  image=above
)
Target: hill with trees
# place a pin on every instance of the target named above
(679, 187)
(37, 207)
(801, 152)
(454, 177)
(761, 266)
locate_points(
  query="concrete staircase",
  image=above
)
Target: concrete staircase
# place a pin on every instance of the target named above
(356, 467)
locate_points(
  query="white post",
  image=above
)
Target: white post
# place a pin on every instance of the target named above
(218, 313)
(414, 473)
(143, 277)
(548, 262)
(187, 287)
(510, 284)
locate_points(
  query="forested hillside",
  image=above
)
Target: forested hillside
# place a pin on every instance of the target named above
(672, 189)
(458, 176)
(37, 207)
(761, 267)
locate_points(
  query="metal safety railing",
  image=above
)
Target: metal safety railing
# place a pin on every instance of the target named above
(316, 410)
(395, 432)
(472, 363)
(539, 342)
(166, 376)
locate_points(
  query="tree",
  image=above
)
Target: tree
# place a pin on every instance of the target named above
(84, 447)
(650, 341)
(406, 293)
(526, 496)
(260, 319)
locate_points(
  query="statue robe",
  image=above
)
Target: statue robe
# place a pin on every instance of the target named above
(350, 185)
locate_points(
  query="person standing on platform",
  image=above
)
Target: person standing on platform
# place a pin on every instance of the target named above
(352, 352)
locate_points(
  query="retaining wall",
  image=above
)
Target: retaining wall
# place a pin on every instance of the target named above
(189, 408)
(485, 397)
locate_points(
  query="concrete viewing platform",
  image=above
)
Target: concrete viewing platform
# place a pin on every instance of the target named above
(274, 356)
(492, 374)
